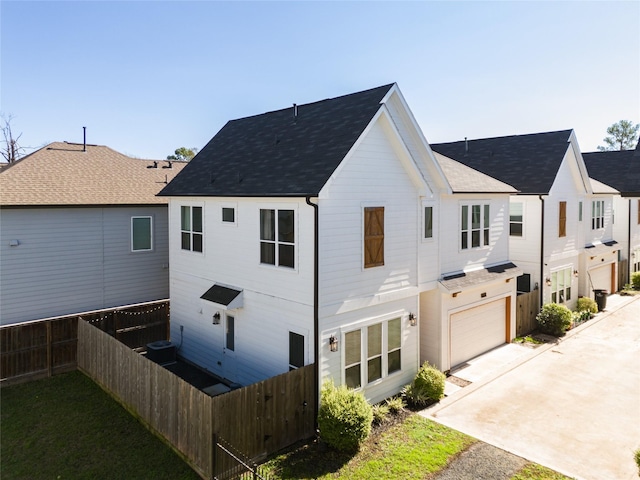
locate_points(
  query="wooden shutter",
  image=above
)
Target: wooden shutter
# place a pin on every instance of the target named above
(562, 218)
(373, 236)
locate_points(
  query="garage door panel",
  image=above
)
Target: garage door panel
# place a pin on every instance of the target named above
(477, 330)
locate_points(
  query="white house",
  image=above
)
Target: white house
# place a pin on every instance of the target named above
(311, 233)
(621, 170)
(81, 229)
(548, 216)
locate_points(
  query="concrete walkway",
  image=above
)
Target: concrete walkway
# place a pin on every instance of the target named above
(573, 406)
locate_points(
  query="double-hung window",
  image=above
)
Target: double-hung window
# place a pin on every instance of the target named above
(141, 234)
(597, 214)
(561, 286)
(277, 237)
(191, 228)
(428, 222)
(516, 219)
(474, 226)
(372, 352)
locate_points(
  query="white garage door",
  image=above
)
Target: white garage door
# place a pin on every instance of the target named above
(477, 330)
(600, 278)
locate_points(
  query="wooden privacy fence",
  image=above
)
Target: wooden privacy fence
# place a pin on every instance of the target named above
(527, 307)
(41, 348)
(257, 420)
(623, 273)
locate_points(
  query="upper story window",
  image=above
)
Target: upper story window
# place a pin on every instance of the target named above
(191, 228)
(228, 214)
(579, 211)
(373, 236)
(597, 214)
(372, 352)
(516, 219)
(141, 234)
(475, 221)
(277, 237)
(562, 219)
(428, 222)
(561, 286)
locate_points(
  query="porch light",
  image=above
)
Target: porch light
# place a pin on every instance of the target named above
(548, 282)
(576, 273)
(333, 343)
(412, 320)
(216, 318)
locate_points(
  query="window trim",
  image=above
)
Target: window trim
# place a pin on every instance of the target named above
(233, 207)
(483, 230)
(276, 242)
(363, 328)
(142, 250)
(521, 222)
(423, 231)
(597, 214)
(190, 231)
(568, 273)
(580, 211)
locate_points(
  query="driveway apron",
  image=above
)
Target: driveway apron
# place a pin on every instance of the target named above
(575, 407)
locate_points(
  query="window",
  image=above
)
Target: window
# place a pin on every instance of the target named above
(597, 214)
(562, 219)
(475, 221)
(635, 260)
(515, 219)
(277, 238)
(141, 234)
(296, 351)
(381, 356)
(428, 222)
(230, 333)
(373, 237)
(579, 211)
(228, 214)
(191, 228)
(561, 285)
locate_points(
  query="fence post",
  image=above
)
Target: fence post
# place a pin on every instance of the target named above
(214, 448)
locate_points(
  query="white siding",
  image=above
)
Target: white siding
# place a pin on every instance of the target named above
(71, 260)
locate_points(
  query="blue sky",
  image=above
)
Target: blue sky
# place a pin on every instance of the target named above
(147, 77)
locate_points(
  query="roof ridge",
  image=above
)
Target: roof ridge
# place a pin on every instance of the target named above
(517, 135)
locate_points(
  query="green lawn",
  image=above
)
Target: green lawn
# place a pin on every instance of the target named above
(66, 427)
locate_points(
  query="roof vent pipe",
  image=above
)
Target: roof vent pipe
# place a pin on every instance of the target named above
(295, 111)
(84, 143)
(466, 145)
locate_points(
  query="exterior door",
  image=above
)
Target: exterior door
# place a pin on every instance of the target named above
(229, 364)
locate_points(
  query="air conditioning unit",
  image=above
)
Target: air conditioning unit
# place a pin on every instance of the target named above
(163, 352)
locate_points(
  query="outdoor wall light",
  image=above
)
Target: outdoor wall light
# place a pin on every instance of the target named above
(576, 273)
(412, 320)
(548, 282)
(216, 318)
(333, 343)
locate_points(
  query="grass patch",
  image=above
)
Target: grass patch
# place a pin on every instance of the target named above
(67, 427)
(408, 450)
(533, 471)
(528, 339)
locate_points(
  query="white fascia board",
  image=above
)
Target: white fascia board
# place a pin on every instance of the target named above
(573, 142)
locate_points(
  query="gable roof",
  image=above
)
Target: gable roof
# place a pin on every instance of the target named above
(63, 174)
(529, 163)
(619, 169)
(463, 179)
(279, 153)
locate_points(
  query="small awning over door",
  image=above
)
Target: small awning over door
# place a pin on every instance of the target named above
(224, 296)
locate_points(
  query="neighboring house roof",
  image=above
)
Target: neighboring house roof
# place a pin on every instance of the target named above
(529, 163)
(599, 187)
(63, 174)
(619, 169)
(463, 179)
(289, 152)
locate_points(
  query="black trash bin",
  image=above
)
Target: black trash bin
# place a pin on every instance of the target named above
(601, 299)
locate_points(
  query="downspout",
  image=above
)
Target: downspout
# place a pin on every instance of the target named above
(541, 250)
(316, 328)
(627, 274)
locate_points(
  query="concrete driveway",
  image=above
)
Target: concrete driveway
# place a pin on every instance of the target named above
(573, 406)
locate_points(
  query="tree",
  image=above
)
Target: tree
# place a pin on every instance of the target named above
(622, 136)
(183, 153)
(11, 149)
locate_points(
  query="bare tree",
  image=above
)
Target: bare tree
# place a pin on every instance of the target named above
(11, 149)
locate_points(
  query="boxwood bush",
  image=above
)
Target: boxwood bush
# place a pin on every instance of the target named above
(427, 386)
(344, 417)
(635, 280)
(554, 319)
(587, 304)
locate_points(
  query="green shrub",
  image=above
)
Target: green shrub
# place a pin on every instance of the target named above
(637, 457)
(427, 386)
(554, 319)
(344, 417)
(380, 413)
(395, 404)
(635, 280)
(587, 304)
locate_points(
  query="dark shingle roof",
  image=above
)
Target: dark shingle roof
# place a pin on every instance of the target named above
(529, 163)
(275, 154)
(619, 169)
